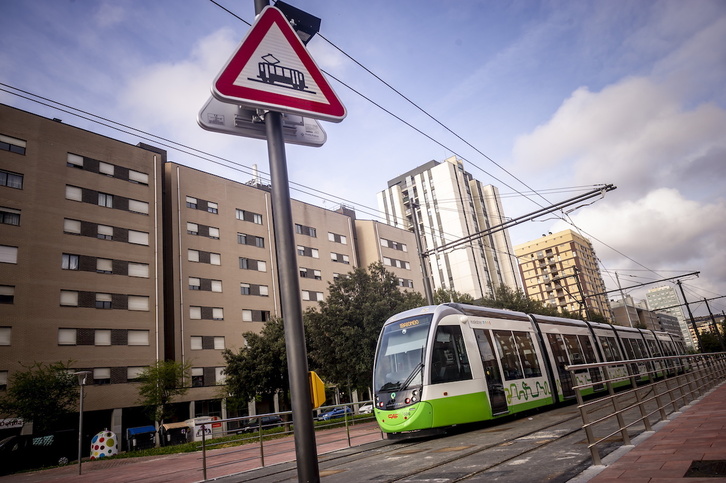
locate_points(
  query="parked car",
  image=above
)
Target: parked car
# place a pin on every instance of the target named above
(335, 413)
(267, 422)
(23, 452)
(365, 409)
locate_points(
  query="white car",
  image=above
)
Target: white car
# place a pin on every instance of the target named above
(365, 409)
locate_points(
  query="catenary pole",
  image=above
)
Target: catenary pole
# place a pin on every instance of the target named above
(297, 364)
(690, 315)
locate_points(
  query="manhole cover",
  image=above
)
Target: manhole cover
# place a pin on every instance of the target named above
(706, 469)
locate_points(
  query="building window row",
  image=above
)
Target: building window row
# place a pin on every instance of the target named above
(207, 342)
(207, 376)
(9, 216)
(105, 232)
(14, 145)
(86, 263)
(305, 230)
(8, 254)
(394, 245)
(11, 180)
(6, 335)
(250, 216)
(203, 205)
(312, 296)
(204, 257)
(74, 298)
(205, 284)
(253, 289)
(251, 264)
(7, 294)
(107, 200)
(304, 251)
(125, 337)
(404, 282)
(335, 238)
(203, 230)
(251, 240)
(311, 273)
(255, 315)
(107, 169)
(339, 257)
(206, 313)
(392, 262)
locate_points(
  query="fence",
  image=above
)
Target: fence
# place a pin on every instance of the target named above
(657, 387)
(266, 430)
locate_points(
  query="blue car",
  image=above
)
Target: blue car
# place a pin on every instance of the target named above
(335, 413)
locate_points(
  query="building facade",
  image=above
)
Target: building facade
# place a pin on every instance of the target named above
(561, 270)
(448, 204)
(112, 257)
(665, 299)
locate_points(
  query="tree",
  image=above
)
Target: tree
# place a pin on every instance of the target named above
(160, 384)
(507, 298)
(445, 295)
(42, 393)
(260, 367)
(343, 331)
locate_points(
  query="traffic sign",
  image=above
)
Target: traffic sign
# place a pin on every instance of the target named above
(228, 118)
(272, 69)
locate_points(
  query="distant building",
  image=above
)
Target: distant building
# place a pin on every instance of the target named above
(113, 257)
(665, 299)
(631, 314)
(449, 204)
(561, 270)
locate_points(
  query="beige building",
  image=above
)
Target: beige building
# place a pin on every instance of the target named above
(112, 257)
(561, 270)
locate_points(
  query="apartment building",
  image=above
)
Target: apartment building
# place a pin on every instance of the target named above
(561, 270)
(113, 257)
(448, 205)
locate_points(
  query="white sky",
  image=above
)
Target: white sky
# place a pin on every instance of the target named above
(560, 93)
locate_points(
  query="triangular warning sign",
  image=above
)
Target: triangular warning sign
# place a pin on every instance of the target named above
(272, 69)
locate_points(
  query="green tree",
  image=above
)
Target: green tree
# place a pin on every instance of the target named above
(343, 330)
(42, 393)
(160, 383)
(445, 295)
(260, 367)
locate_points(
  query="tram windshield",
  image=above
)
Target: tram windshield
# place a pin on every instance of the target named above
(399, 360)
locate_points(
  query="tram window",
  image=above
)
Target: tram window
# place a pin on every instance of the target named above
(510, 362)
(641, 346)
(629, 349)
(573, 349)
(449, 361)
(527, 354)
(587, 349)
(610, 349)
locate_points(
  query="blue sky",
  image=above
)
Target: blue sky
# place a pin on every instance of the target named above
(560, 93)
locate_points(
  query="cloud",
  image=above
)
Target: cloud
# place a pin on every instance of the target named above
(109, 15)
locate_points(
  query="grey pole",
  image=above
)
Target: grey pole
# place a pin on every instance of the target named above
(690, 316)
(297, 361)
(422, 259)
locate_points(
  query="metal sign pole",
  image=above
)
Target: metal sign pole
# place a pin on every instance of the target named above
(297, 363)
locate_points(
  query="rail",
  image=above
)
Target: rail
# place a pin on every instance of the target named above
(266, 431)
(658, 387)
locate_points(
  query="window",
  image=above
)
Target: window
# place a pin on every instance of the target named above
(193, 255)
(7, 294)
(192, 228)
(311, 273)
(3, 380)
(72, 226)
(105, 199)
(307, 252)
(215, 259)
(70, 262)
(140, 270)
(137, 177)
(103, 300)
(133, 373)
(136, 206)
(197, 376)
(138, 337)
(339, 257)
(138, 302)
(219, 343)
(311, 296)
(195, 283)
(245, 288)
(6, 334)
(8, 254)
(11, 180)
(74, 161)
(105, 168)
(195, 313)
(250, 240)
(66, 336)
(334, 237)
(508, 353)
(306, 230)
(527, 354)
(104, 265)
(102, 375)
(248, 216)
(191, 202)
(74, 193)
(212, 207)
(219, 376)
(138, 238)
(11, 144)
(214, 232)
(196, 343)
(69, 298)
(105, 232)
(255, 315)
(217, 313)
(9, 216)
(102, 337)
(449, 361)
(216, 285)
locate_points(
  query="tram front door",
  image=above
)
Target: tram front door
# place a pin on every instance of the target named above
(497, 398)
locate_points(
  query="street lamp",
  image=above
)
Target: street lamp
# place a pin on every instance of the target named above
(82, 376)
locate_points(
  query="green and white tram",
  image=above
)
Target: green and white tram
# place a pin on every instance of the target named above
(440, 366)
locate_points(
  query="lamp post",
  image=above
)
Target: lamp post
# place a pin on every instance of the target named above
(82, 376)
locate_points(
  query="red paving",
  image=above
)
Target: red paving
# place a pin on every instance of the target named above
(187, 467)
(697, 434)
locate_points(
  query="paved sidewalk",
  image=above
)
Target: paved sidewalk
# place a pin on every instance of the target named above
(695, 437)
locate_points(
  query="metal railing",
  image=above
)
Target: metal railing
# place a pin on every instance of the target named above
(657, 387)
(266, 433)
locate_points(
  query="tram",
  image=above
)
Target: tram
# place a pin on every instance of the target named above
(444, 365)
